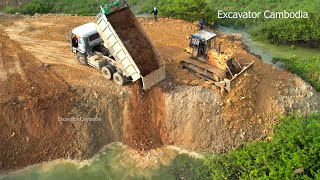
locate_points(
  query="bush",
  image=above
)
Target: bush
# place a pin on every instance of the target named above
(290, 31)
(190, 10)
(307, 69)
(293, 153)
(32, 7)
(37, 6)
(304, 32)
(10, 9)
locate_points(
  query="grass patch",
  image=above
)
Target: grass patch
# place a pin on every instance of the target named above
(32, 7)
(307, 69)
(80, 7)
(305, 32)
(293, 153)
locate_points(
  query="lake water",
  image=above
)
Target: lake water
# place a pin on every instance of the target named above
(267, 50)
(115, 161)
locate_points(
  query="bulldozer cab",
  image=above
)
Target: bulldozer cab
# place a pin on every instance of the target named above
(200, 43)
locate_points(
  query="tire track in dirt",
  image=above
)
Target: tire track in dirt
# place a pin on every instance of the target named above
(32, 99)
(3, 73)
(53, 52)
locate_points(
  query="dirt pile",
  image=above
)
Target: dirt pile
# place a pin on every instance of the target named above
(135, 40)
(144, 131)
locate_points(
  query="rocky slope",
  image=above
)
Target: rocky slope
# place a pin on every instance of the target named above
(42, 83)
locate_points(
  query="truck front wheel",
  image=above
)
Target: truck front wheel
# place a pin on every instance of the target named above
(118, 78)
(82, 58)
(107, 72)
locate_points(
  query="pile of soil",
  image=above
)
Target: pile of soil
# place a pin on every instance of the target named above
(144, 132)
(135, 40)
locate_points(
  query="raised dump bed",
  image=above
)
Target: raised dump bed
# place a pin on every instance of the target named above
(130, 46)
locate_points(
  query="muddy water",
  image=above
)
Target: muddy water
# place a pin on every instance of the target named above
(114, 161)
(267, 51)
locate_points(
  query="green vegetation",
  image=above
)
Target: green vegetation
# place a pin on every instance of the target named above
(284, 31)
(81, 7)
(293, 153)
(32, 7)
(304, 32)
(308, 69)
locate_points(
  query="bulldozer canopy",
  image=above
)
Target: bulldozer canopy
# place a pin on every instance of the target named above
(204, 35)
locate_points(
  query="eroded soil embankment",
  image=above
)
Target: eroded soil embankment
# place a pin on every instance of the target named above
(144, 131)
(39, 84)
(32, 98)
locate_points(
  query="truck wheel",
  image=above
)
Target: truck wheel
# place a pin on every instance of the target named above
(107, 72)
(118, 78)
(82, 58)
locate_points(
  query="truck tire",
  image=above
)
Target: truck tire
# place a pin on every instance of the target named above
(82, 58)
(118, 78)
(107, 72)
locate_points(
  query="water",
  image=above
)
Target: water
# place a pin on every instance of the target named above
(267, 51)
(145, 15)
(115, 161)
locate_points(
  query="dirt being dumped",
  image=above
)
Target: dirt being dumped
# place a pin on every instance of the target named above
(144, 132)
(135, 40)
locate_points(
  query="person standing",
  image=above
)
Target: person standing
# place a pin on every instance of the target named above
(201, 23)
(155, 13)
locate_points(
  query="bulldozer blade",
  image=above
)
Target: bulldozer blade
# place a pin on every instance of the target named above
(245, 67)
(226, 83)
(153, 78)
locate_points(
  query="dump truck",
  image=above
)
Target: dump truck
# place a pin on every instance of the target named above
(209, 62)
(118, 46)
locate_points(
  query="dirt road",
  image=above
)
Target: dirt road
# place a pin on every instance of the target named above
(41, 82)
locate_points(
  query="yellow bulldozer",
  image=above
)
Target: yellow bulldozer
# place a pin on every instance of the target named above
(208, 61)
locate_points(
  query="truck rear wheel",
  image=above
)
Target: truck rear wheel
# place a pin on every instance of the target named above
(118, 78)
(107, 72)
(82, 58)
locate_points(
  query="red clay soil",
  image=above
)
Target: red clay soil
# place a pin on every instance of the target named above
(135, 40)
(32, 98)
(145, 130)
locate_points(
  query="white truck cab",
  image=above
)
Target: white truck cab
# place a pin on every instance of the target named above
(85, 40)
(99, 46)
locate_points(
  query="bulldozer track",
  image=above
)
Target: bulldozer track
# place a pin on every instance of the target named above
(203, 69)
